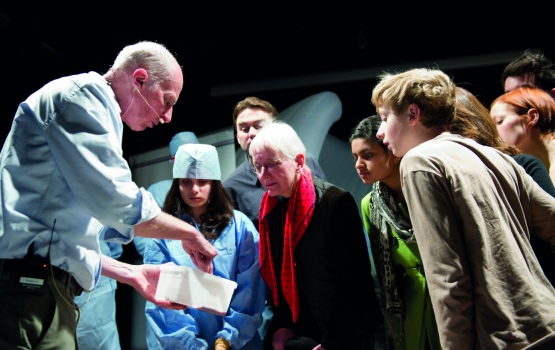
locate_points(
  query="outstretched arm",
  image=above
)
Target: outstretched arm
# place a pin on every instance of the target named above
(170, 227)
(144, 278)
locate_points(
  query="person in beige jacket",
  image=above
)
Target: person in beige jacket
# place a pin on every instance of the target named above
(473, 210)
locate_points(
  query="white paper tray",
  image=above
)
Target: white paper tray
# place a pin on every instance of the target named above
(196, 289)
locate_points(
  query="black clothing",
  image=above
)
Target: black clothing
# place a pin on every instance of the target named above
(338, 305)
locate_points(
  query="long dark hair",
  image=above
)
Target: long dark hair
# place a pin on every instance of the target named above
(218, 212)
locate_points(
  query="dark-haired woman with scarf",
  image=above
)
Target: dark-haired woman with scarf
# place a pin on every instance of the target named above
(404, 297)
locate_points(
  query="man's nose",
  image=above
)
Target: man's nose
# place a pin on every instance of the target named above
(252, 132)
(166, 116)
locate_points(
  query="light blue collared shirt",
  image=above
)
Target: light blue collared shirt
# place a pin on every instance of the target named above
(62, 162)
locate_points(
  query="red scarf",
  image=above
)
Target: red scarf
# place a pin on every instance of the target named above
(298, 216)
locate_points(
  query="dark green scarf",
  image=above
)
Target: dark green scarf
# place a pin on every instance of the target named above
(384, 217)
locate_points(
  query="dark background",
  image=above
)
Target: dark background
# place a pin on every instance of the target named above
(278, 52)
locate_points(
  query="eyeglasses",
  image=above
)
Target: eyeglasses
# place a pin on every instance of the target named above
(257, 169)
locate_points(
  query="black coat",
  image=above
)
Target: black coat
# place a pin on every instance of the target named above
(338, 305)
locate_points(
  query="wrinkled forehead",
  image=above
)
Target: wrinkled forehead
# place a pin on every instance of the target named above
(264, 153)
(253, 116)
(174, 84)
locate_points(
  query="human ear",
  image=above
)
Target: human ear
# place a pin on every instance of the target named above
(414, 113)
(300, 161)
(533, 117)
(139, 78)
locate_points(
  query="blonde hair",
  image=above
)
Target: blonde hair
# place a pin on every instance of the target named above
(431, 89)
